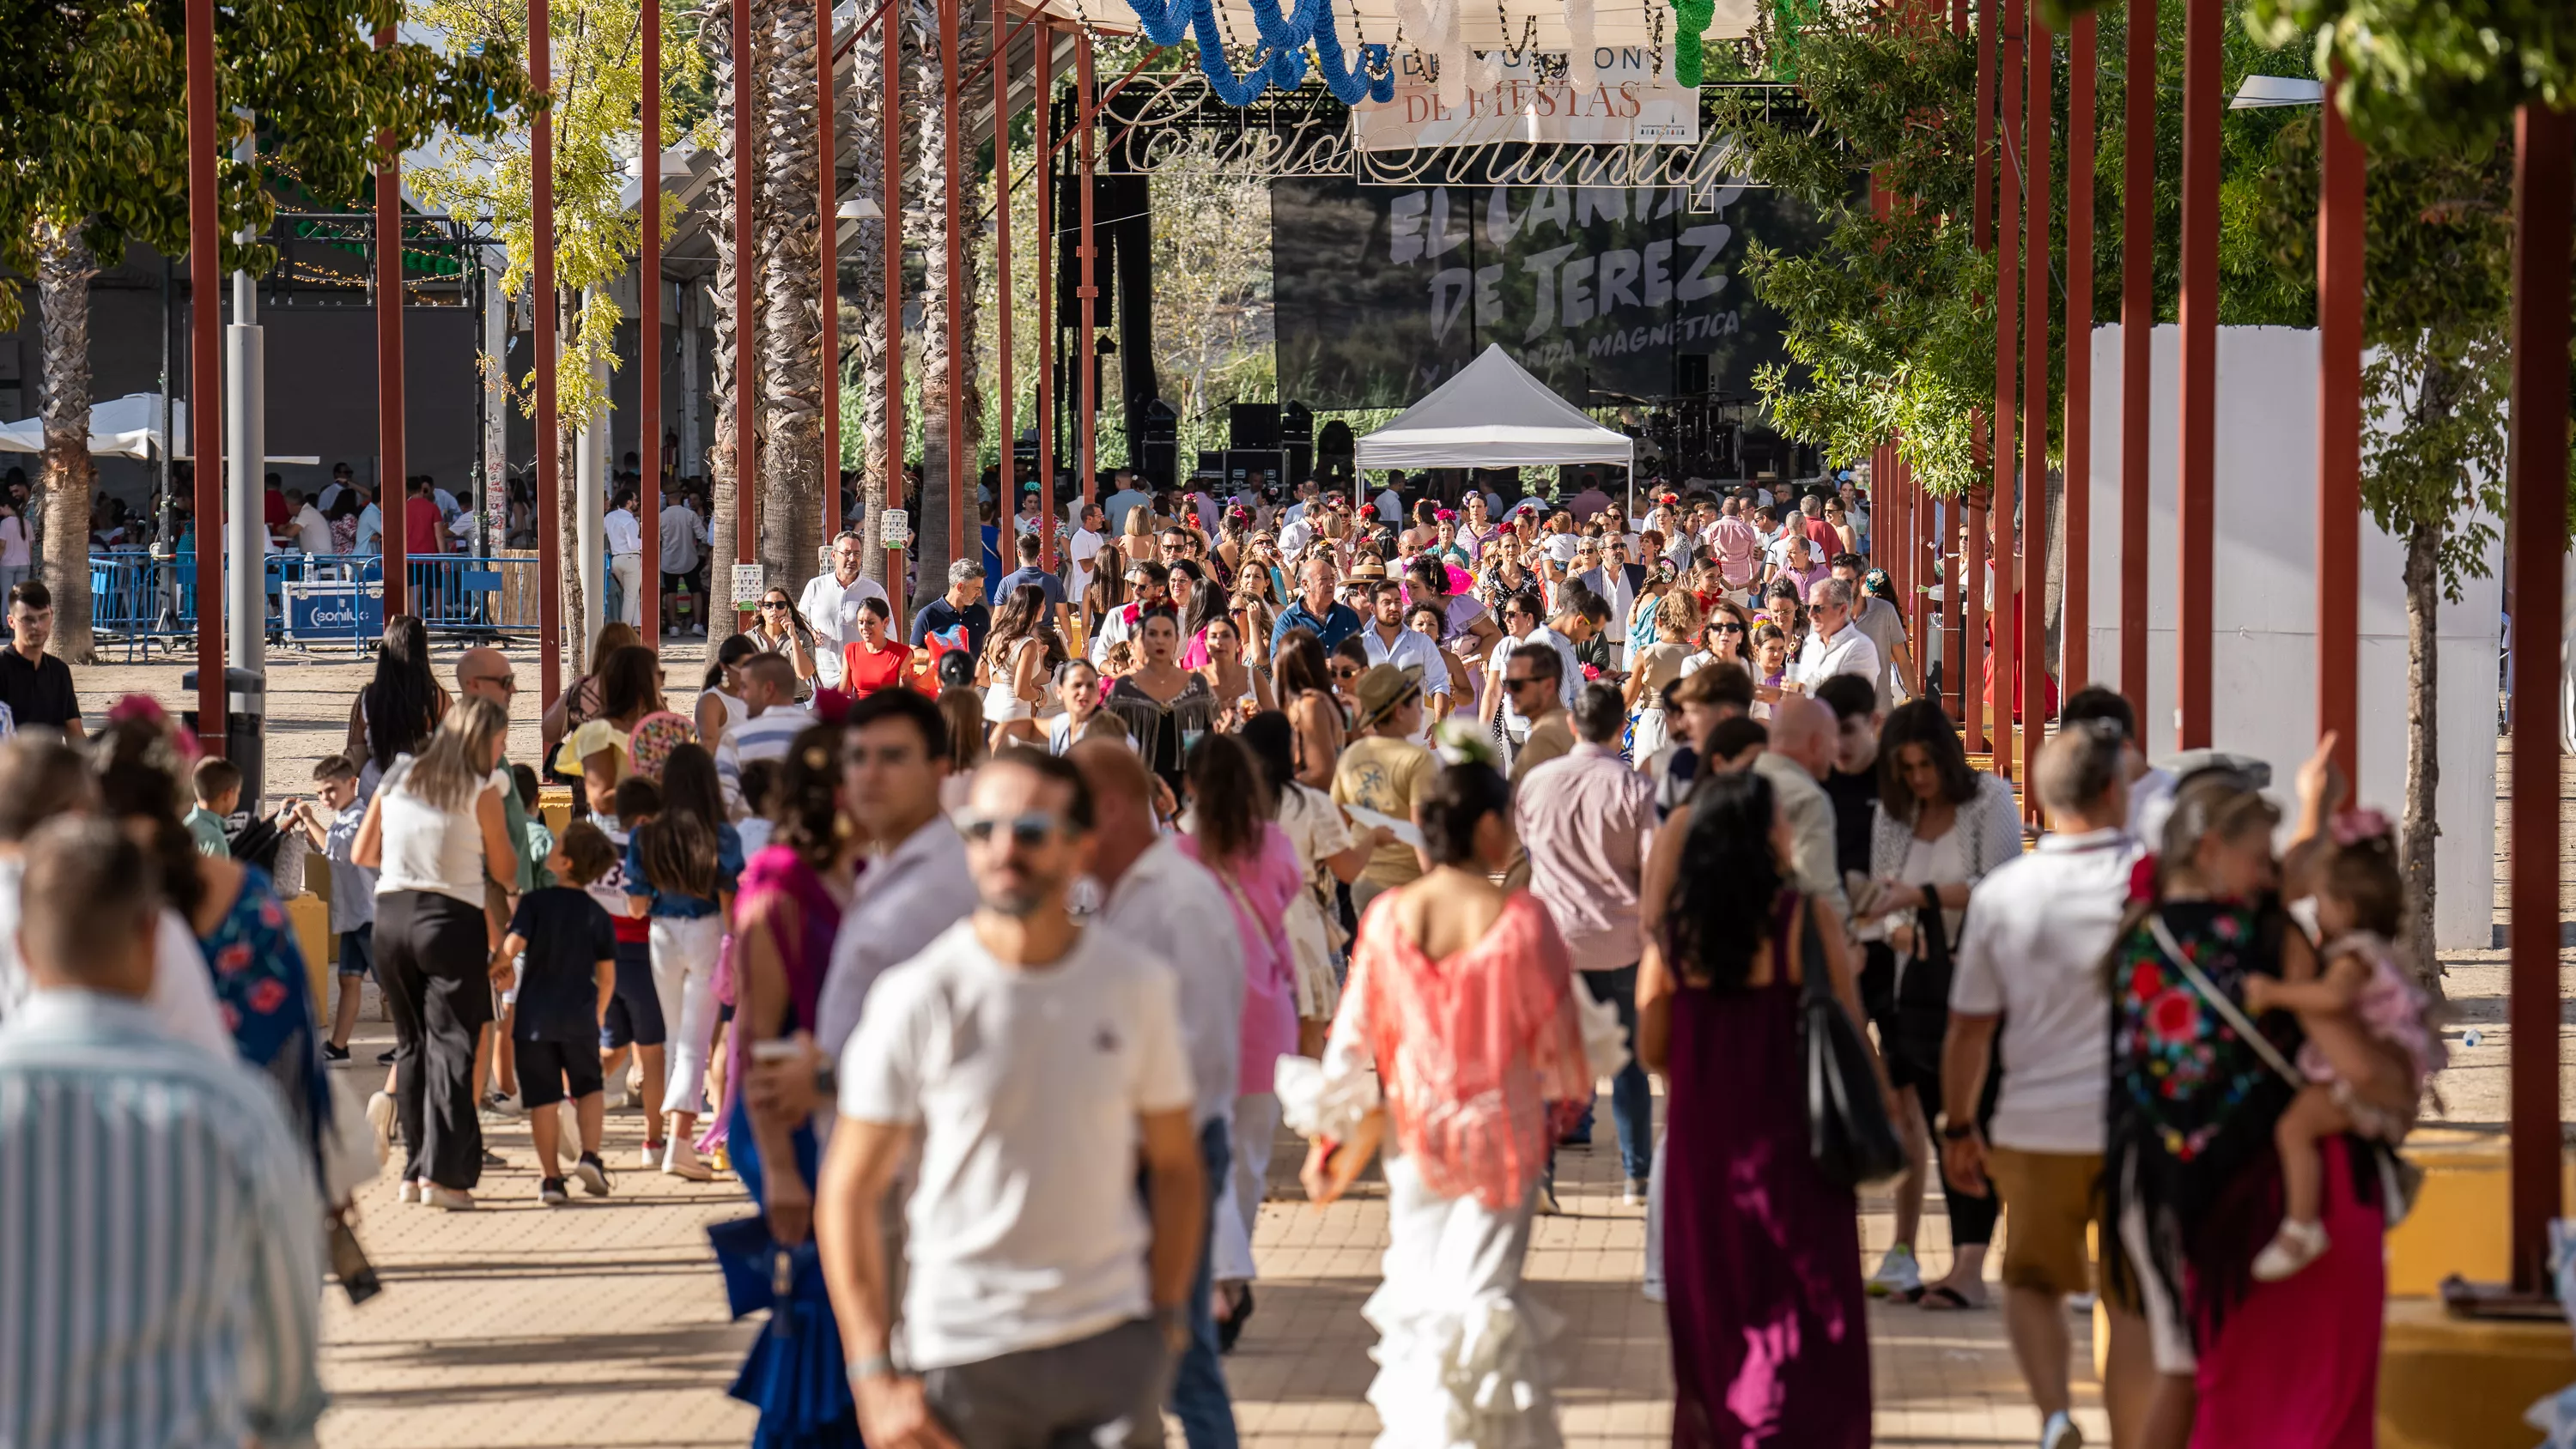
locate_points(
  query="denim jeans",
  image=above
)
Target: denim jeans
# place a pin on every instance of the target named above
(1199, 1398)
(1632, 1100)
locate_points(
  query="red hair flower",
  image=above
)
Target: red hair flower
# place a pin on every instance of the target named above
(1591, 672)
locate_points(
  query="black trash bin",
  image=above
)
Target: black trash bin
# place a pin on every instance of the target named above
(245, 724)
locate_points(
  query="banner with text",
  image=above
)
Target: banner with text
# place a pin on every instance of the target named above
(1382, 293)
(1635, 101)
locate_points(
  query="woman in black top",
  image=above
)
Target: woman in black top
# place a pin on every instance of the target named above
(1165, 707)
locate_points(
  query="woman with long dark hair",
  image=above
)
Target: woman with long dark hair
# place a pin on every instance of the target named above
(1164, 706)
(1939, 828)
(630, 687)
(720, 705)
(580, 704)
(793, 894)
(1235, 835)
(1019, 656)
(781, 629)
(1761, 1253)
(437, 837)
(1303, 677)
(1459, 1028)
(395, 712)
(688, 860)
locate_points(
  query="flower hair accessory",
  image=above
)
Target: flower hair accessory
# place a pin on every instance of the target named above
(1445, 515)
(1457, 742)
(145, 710)
(2357, 826)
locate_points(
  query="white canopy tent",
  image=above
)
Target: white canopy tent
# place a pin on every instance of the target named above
(1493, 414)
(125, 427)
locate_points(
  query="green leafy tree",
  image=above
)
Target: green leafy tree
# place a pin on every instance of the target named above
(98, 156)
(2436, 76)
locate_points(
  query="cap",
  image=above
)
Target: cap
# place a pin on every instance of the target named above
(1382, 689)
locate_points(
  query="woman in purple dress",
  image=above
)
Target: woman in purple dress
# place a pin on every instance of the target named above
(1761, 1252)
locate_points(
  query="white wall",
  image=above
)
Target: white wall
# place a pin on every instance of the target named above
(2263, 665)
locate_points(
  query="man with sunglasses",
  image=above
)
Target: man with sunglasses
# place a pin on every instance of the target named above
(1038, 1064)
(1149, 586)
(1524, 627)
(830, 605)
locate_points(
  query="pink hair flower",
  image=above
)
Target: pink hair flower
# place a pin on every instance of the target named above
(2352, 827)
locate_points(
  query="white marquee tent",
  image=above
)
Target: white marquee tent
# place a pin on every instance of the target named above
(1493, 415)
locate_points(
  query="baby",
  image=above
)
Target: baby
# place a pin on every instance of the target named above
(2360, 1000)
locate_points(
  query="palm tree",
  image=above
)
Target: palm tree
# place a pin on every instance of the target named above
(792, 470)
(925, 221)
(64, 267)
(863, 311)
(716, 34)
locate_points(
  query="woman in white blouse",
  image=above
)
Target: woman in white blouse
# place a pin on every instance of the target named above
(1939, 828)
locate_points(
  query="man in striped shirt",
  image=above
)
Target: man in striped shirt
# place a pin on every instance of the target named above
(769, 689)
(160, 1253)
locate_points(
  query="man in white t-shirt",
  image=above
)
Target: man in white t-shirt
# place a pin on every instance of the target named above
(1083, 547)
(2028, 969)
(1035, 1064)
(830, 605)
(1390, 504)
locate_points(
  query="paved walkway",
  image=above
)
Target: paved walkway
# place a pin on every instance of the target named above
(602, 1324)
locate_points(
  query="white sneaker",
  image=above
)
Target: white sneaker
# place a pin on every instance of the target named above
(649, 1157)
(1898, 1274)
(450, 1199)
(1634, 1194)
(380, 1117)
(2294, 1247)
(407, 1191)
(2060, 1433)
(682, 1160)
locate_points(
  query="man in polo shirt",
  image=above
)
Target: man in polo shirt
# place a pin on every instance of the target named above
(35, 685)
(772, 724)
(1314, 608)
(1884, 623)
(2029, 971)
(1029, 573)
(963, 604)
(830, 605)
(1388, 641)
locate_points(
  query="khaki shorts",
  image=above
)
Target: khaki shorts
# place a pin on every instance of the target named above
(2048, 1206)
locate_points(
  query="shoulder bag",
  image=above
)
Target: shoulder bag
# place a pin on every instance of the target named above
(1849, 1134)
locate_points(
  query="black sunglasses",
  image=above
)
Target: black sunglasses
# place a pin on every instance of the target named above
(1030, 829)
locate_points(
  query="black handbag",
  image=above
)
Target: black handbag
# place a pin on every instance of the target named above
(1849, 1134)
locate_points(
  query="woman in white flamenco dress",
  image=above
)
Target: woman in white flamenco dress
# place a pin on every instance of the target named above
(1461, 1026)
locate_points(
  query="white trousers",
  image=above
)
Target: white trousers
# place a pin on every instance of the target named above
(1238, 1205)
(629, 570)
(684, 973)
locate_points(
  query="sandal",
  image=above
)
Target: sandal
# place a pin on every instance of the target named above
(1942, 1298)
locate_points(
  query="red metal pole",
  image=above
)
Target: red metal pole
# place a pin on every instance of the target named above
(2075, 612)
(648, 330)
(2032, 646)
(2001, 623)
(746, 327)
(1086, 354)
(1969, 586)
(2196, 457)
(827, 246)
(392, 478)
(543, 322)
(205, 371)
(2137, 349)
(1007, 536)
(889, 109)
(959, 465)
(2339, 273)
(1045, 154)
(2544, 173)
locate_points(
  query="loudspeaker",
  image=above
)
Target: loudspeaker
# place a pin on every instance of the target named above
(1693, 374)
(1156, 460)
(1252, 425)
(1296, 424)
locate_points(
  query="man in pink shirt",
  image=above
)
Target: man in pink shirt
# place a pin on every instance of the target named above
(1735, 544)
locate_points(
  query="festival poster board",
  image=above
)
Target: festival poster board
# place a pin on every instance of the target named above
(1383, 293)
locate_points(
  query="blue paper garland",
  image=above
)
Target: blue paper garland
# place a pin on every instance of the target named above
(1284, 39)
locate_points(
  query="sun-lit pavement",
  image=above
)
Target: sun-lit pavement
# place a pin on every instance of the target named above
(603, 1323)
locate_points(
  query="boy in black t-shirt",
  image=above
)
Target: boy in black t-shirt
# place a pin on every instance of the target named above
(567, 949)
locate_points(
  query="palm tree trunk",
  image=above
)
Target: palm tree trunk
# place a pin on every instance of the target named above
(577, 623)
(926, 227)
(793, 471)
(863, 314)
(64, 267)
(723, 474)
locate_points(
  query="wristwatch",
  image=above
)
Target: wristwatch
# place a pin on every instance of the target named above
(1953, 1131)
(827, 1080)
(874, 1366)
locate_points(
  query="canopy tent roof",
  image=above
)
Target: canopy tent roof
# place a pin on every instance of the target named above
(125, 427)
(1493, 414)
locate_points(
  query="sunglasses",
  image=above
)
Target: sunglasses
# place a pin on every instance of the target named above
(1346, 671)
(1031, 829)
(509, 682)
(1521, 681)
(773, 603)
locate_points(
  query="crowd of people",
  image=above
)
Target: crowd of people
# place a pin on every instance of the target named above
(991, 950)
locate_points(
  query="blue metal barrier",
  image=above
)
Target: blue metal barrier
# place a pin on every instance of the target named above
(336, 598)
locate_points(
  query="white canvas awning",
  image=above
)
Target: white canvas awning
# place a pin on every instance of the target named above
(125, 427)
(1493, 415)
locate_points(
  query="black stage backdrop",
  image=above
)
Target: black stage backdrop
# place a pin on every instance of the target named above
(1384, 292)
